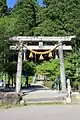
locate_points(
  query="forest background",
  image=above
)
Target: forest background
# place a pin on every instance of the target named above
(54, 18)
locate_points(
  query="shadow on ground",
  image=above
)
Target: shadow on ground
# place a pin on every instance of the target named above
(25, 90)
(33, 88)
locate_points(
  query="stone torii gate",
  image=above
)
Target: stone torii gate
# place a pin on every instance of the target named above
(22, 46)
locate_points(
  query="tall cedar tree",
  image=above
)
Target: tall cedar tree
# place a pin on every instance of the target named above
(24, 15)
(3, 8)
(61, 17)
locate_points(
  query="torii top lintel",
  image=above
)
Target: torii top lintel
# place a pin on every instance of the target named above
(40, 38)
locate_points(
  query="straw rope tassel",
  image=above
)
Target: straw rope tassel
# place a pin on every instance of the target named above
(41, 57)
(31, 55)
(50, 54)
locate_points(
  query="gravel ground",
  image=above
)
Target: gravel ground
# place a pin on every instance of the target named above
(45, 112)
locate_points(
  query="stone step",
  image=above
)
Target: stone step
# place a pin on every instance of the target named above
(43, 100)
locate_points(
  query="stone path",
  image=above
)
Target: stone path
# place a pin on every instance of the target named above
(39, 93)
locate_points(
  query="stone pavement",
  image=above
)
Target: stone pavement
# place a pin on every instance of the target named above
(39, 93)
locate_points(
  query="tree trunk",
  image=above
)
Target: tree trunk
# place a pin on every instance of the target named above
(8, 80)
(12, 81)
(26, 83)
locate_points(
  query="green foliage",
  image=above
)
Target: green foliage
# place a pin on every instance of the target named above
(4, 43)
(48, 84)
(3, 8)
(28, 68)
(72, 66)
(23, 17)
(11, 68)
(61, 17)
(49, 68)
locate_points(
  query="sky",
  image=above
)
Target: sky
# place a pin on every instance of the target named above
(12, 2)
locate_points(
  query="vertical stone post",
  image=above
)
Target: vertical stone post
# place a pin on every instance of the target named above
(68, 99)
(68, 88)
(62, 69)
(19, 70)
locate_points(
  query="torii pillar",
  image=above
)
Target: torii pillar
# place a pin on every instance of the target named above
(41, 39)
(62, 68)
(19, 70)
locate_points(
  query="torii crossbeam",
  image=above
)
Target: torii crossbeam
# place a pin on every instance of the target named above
(22, 39)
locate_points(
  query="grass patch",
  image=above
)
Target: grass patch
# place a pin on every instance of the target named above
(47, 103)
(48, 84)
